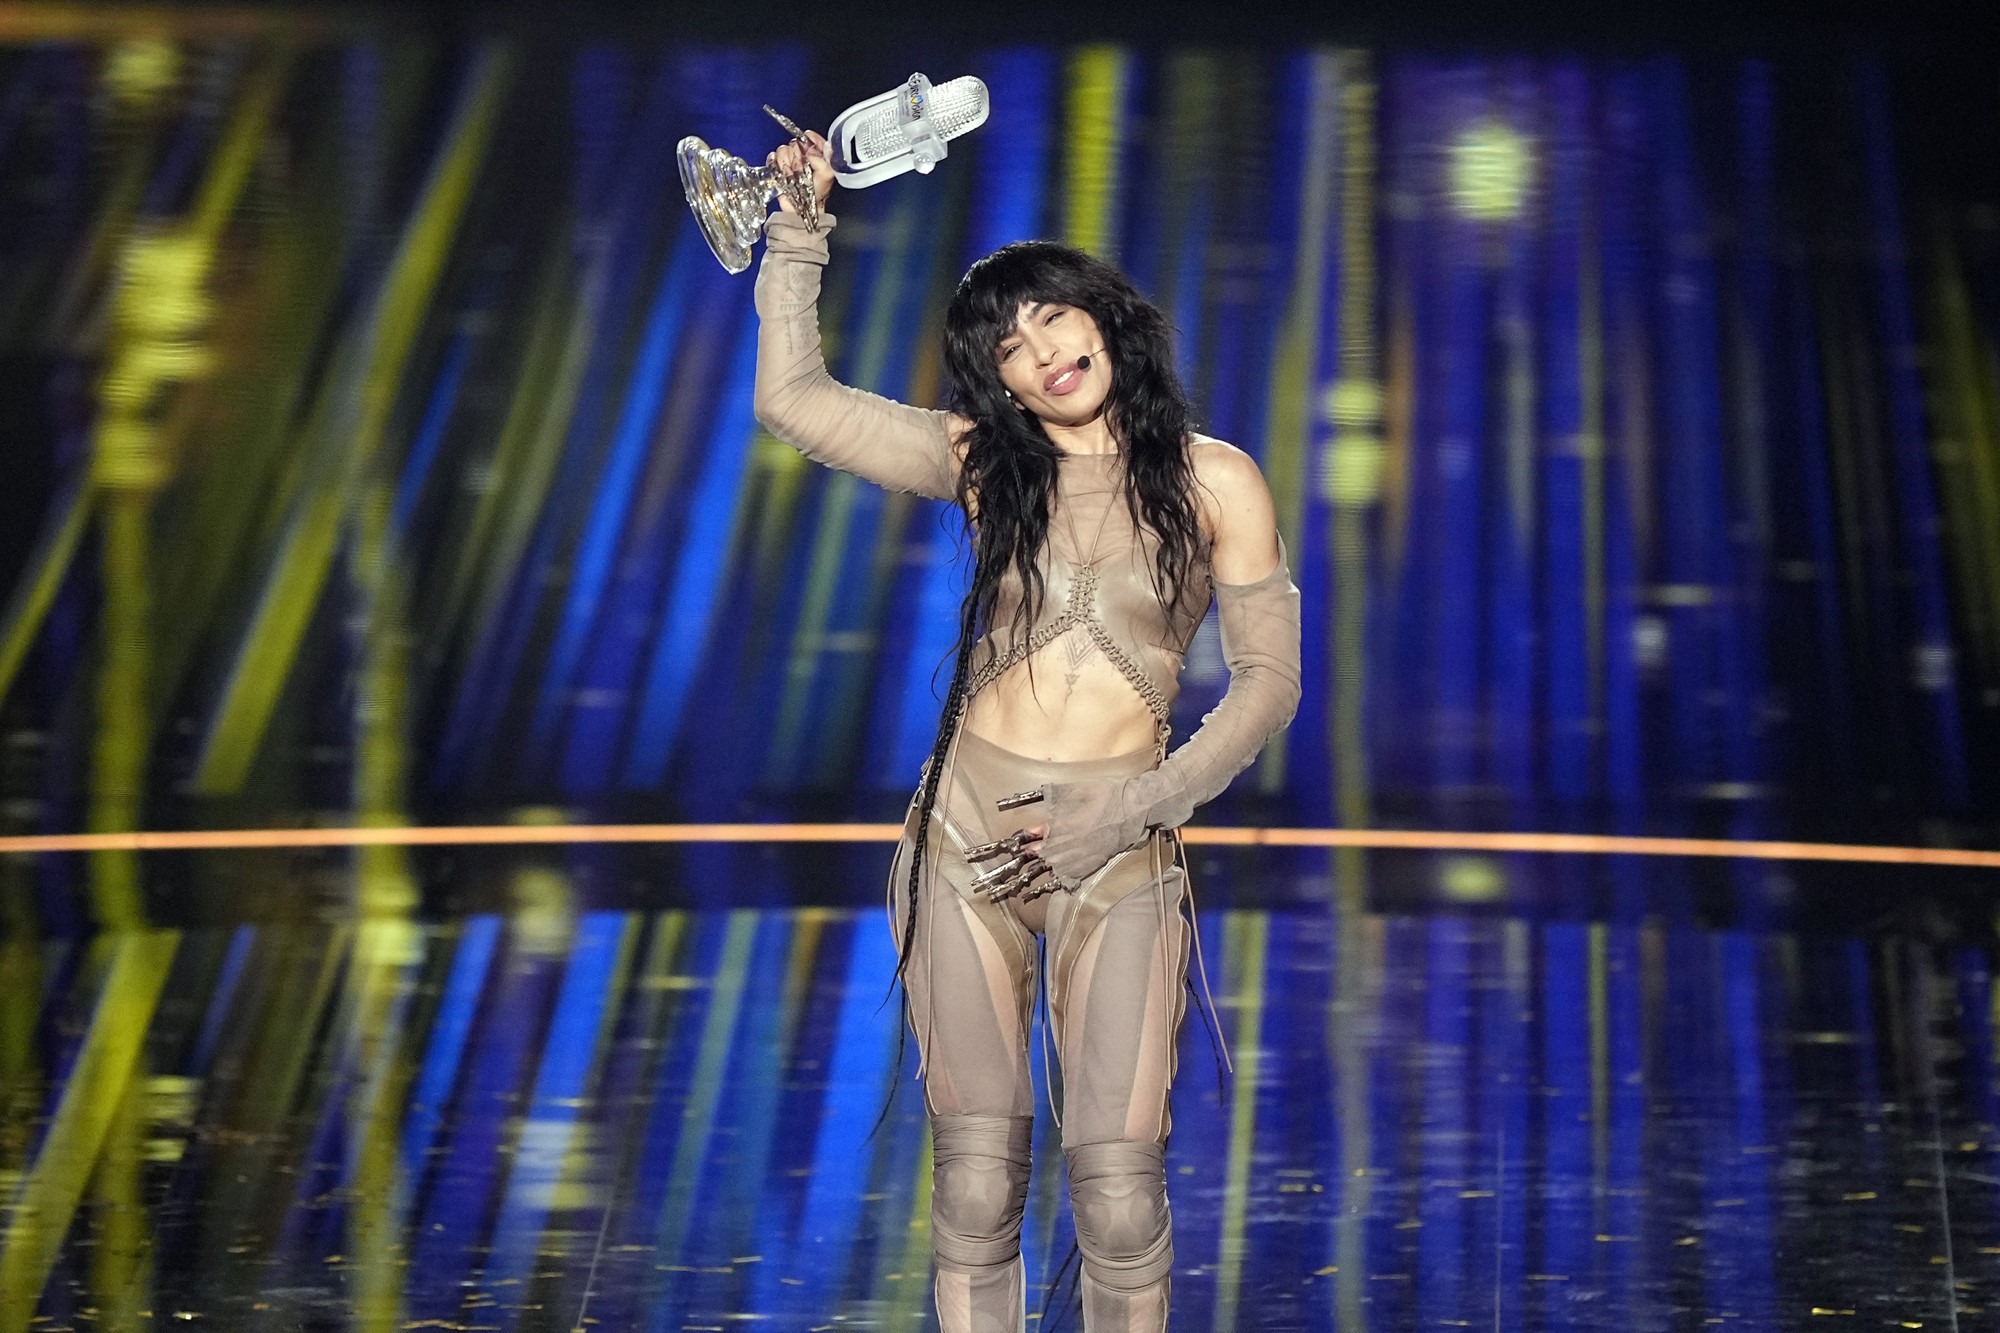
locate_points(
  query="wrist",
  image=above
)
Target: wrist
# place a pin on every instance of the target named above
(783, 222)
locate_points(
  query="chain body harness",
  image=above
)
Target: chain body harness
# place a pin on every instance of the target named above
(1080, 612)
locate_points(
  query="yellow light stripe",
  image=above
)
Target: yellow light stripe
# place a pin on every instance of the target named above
(910, 1305)
(1247, 935)
(1963, 395)
(1094, 116)
(807, 656)
(1571, 844)
(547, 380)
(1360, 438)
(291, 596)
(122, 23)
(1600, 1052)
(121, 1252)
(91, 1097)
(678, 1211)
(1291, 393)
(381, 980)
(166, 273)
(36, 596)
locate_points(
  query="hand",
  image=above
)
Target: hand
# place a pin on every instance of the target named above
(1089, 822)
(1019, 870)
(788, 159)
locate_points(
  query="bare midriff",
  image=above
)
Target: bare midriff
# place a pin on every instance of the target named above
(1101, 716)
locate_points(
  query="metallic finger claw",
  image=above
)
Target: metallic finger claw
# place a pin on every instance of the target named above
(992, 881)
(1048, 883)
(799, 189)
(791, 126)
(1008, 845)
(1032, 879)
(1000, 893)
(1019, 798)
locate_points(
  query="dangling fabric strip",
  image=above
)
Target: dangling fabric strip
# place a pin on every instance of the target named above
(1050, 1070)
(1201, 965)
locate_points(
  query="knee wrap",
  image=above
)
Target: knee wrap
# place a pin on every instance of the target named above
(1118, 1192)
(979, 1189)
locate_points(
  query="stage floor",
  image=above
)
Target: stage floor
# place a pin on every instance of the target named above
(662, 1120)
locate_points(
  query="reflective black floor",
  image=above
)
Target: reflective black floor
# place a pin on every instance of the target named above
(662, 1121)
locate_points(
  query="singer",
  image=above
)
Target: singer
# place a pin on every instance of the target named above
(1102, 524)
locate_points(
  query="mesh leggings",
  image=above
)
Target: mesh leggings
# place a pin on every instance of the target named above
(1116, 955)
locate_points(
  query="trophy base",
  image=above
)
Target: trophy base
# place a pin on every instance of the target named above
(728, 197)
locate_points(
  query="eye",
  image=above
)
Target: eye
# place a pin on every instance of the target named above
(1053, 316)
(1007, 352)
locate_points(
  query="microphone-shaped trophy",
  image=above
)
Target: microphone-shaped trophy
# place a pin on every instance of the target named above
(902, 130)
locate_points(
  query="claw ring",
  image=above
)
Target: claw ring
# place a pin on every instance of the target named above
(1025, 874)
(1008, 845)
(799, 189)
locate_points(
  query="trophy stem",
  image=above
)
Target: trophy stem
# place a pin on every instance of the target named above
(729, 198)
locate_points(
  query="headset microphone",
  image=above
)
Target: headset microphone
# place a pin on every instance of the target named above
(1083, 362)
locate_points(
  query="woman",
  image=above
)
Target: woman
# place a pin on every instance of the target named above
(1101, 524)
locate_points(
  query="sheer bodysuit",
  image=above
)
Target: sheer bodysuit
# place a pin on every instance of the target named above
(1114, 945)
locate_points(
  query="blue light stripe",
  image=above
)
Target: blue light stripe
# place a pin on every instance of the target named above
(820, 1252)
(570, 1057)
(430, 1094)
(430, 434)
(590, 569)
(1565, 474)
(1009, 196)
(610, 251)
(1928, 650)
(715, 517)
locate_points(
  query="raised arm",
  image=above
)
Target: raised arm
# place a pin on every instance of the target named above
(892, 444)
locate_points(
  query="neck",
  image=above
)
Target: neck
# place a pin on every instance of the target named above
(1089, 437)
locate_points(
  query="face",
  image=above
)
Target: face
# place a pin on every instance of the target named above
(1037, 362)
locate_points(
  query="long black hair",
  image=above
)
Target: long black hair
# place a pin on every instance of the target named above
(1009, 472)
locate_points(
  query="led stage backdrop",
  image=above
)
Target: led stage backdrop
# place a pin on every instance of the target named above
(380, 443)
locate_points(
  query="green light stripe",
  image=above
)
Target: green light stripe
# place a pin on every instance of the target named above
(1246, 940)
(91, 1098)
(691, 1152)
(1094, 113)
(549, 376)
(36, 593)
(292, 594)
(1964, 395)
(828, 568)
(1295, 365)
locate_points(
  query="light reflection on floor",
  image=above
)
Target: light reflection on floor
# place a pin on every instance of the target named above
(661, 1120)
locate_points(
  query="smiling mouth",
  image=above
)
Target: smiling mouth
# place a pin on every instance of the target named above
(1063, 380)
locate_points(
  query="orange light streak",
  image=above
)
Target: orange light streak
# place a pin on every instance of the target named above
(1585, 844)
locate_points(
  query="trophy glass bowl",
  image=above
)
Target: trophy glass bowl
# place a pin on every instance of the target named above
(902, 130)
(729, 198)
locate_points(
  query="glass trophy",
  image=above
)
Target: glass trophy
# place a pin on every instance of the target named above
(731, 198)
(905, 129)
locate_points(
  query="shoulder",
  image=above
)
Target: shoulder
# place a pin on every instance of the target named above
(1227, 478)
(958, 429)
(1237, 511)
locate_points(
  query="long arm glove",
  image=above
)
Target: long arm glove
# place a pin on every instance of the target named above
(892, 444)
(1090, 822)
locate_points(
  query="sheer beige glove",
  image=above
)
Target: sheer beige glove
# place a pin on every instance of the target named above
(1090, 822)
(892, 444)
